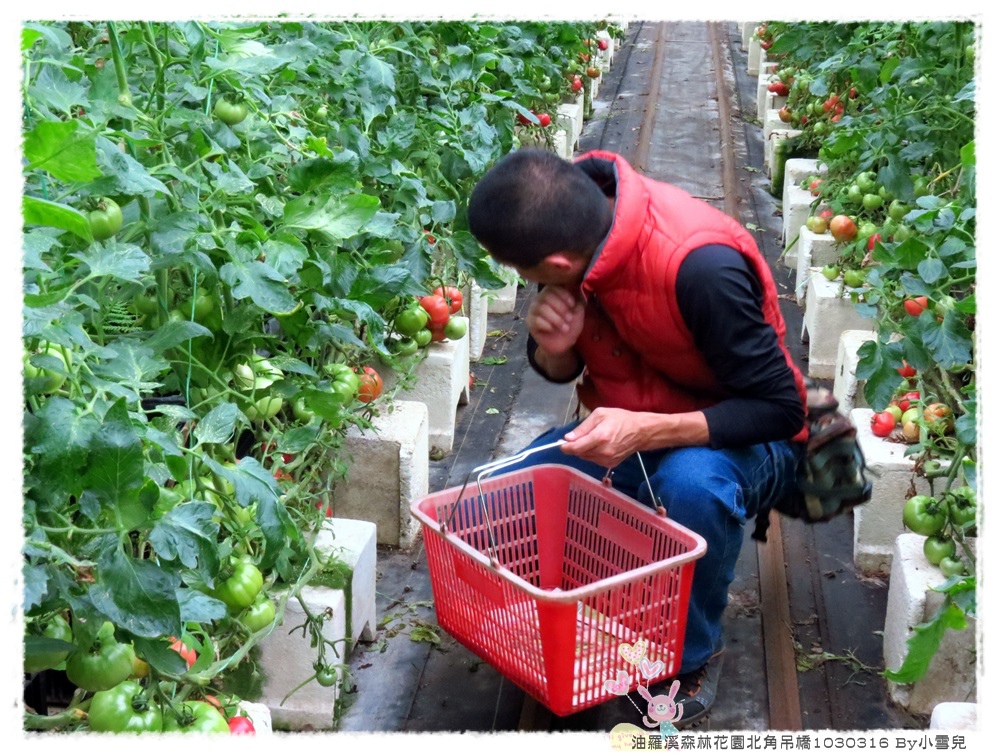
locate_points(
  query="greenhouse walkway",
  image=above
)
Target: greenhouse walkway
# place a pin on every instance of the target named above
(803, 656)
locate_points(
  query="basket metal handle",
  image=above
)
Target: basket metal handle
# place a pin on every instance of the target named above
(483, 471)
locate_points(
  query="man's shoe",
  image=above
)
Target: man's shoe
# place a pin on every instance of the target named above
(696, 694)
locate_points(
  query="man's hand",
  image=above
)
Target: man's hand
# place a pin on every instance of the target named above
(555, 320)
(610, 435)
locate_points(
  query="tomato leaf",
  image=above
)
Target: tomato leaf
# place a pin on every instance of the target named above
(950, 341)
(59, 148)
(187, 533)
(325, 175)
(199, 607)
(54, 215)
(875, 368)
(923, 644)
(218, 425)
(259, 282)
(336, 217)
(138, 595)
(123, 174)
(251, 481)
(115, 464)
(285, 253)
(172, 334)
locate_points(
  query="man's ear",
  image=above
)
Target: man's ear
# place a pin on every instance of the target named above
(560, 261)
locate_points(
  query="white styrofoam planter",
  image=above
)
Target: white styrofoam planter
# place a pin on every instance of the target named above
(879, 522)
(286, 660)
(753, 56)
(747, 28)
(441, 382)
(847, 389)
(795, 208)
(955, 716)
(388, 468)
(569, 117)
(951, 676)
(772, 137)
(503, 300)
(594, 84)
(477, 304)
(797, 169)
(828, 314)
(260, 716)
(812, 250)
(764, 79)
(347, 600)
(353, 543)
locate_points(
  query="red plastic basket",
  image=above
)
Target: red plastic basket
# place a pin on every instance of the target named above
(554, 576)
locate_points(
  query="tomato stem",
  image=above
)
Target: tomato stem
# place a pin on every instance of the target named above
(124, 95)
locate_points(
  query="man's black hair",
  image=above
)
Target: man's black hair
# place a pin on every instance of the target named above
(533, 203)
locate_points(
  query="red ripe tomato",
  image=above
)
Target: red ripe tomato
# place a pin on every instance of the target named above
(577, 84)
(883, 423)
(814, 186)
(523, 120)
(189, 655)
(452, 295)
(602, 44)
(906, 370)
(544, 119)
(437, 333)
(778, 87)
(431, 239)
(370, 386)
(241, 726)
(437, 309)
(843, 228)
(872, 239)
(826, 214)
(915, 306)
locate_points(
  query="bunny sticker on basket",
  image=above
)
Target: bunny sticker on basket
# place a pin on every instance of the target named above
(662, 711)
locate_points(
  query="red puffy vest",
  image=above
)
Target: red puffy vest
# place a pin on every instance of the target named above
(638, 352)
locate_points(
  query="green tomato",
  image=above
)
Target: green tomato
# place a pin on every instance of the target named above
(125, 708)
(411, 320)
(831, 271)
(170, 498)
(50, 375)
(885, 194)
(405, 347)
(455, 328)
(867, 181)
(257, 374)
(962, 508)
(105, 220)
(938, 547)
(867, 229)
(872, 201)
(326, 675)
(920, 186)
(951, 567)
(345, 382)
(903, 232)
(854, 278)
(259, 615)
(41, 653)
(923, 514)
(230, 110)
(898, 210)
(103, 665)
(854, 194)
(264, 408)
(242, 587)
(197, 717)
(423, 338)
(302, 411)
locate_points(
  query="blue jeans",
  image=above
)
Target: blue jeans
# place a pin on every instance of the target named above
(711, 492)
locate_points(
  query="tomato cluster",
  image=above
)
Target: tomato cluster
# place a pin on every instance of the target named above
(945, 521)
(430, 319)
